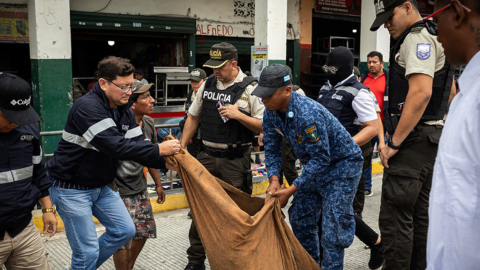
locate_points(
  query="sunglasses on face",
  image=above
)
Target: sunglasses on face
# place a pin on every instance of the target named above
(432, 25)
(330, 69)
(124, 89)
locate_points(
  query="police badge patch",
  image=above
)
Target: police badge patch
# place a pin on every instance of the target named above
(312, 133)
(423, 51)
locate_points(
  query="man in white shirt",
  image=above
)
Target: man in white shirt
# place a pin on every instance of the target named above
(454, 234)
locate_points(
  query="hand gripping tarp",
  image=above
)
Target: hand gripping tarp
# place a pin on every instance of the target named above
(238, 231)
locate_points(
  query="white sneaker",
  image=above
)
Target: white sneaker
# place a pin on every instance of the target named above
(368, 193)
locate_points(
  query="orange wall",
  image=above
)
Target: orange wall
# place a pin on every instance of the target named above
(305, 21)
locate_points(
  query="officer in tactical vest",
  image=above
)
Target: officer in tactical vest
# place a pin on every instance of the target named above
(419, 88)
(228, 115)
(353, 105)
(197, 77)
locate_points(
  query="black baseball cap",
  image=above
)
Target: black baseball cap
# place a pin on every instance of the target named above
(139, 72)
(384, 10)
(272, 77)
(198, 74)
(219, 55)
(15, 100)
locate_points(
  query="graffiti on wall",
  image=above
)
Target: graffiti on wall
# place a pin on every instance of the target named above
(244, 8)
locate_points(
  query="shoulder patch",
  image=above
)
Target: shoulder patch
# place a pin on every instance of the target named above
(260, 101)
(312, 133)
(423, 50)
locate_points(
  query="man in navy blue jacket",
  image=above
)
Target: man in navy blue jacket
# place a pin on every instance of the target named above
(100, 130)
(23, 179)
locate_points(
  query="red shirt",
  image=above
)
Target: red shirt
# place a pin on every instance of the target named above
(377, 86)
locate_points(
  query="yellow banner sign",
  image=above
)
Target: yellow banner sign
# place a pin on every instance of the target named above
(13, 26)
(259, 56)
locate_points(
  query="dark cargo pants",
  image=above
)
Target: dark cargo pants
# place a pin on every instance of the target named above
(359, 200)
(403, 219)
(233, 173)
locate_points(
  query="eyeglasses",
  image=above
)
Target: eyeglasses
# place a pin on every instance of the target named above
(330, 69)
(124, 89)
(432, 25)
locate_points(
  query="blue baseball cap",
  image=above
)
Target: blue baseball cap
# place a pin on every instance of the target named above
(272, 77)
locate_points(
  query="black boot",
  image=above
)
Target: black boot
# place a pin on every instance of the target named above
(376, 256)
(192, 266)
(257, 159)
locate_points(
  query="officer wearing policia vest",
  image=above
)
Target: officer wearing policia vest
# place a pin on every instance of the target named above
(227, 132)
(419, 88)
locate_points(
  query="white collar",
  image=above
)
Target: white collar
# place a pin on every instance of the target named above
(470, 74)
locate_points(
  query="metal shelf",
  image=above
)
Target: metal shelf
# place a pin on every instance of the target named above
(168, 76)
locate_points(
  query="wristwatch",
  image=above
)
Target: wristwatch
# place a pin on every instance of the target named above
(391, 145)
(46, 210)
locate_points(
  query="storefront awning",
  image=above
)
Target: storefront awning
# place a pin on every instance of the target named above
(90, 20)
(204, 43)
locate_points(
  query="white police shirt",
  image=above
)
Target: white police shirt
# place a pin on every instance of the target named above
(454, 226)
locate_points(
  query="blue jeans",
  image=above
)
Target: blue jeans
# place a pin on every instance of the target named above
(76, 208)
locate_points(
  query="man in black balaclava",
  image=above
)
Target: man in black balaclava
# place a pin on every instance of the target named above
(351, 103)
(340, 59)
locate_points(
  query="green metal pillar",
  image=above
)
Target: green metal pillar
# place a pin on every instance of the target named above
(50, 54)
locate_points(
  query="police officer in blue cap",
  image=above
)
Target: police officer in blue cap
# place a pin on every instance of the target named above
(333, 164)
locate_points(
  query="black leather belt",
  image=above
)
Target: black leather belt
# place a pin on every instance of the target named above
(226, 153)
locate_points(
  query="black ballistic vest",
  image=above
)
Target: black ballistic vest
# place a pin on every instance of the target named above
(338, 101)
(213, 129)
(398, 86)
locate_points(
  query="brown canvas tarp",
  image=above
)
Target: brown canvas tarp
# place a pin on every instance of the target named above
(238, 231)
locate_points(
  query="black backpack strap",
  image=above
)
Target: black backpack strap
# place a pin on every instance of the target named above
(247, 81)
(241, 86)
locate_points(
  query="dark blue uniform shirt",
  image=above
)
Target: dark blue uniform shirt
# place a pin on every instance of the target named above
(23, 178)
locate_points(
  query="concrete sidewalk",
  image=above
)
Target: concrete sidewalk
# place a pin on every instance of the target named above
(168, 251)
